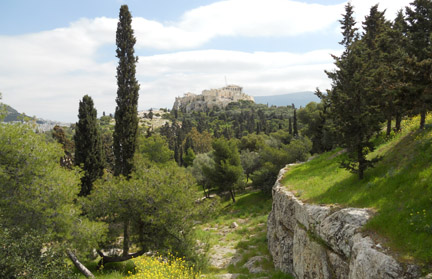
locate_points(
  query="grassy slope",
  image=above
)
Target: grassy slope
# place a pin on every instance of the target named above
(249, 239)
(399, 188)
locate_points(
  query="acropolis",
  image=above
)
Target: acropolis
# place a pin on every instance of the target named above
(210, 99)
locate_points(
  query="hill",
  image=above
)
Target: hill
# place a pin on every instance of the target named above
(13, 115)
(299, 99)
(397, 189)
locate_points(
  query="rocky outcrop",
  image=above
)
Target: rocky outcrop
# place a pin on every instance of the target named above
(318, 241)
(210, 99)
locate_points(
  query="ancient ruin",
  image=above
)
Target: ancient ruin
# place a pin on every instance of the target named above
(210, 99)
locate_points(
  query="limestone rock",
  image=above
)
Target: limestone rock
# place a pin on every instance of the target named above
(253, 264)
(314, 241)
(309, 257)
(366, 262)
(234, 225)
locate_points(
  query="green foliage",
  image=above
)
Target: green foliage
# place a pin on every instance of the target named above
(313, 119)
(68, 146)
(126, 114)
(419, 48)
(250, 161)
(88, 145)
(158, 201)
(200, 163)
(398, 188)
(22, 256)
(38, 195)
(273, 158)
(353, 100)
(189, 157)
(155, 149)
(227, 171)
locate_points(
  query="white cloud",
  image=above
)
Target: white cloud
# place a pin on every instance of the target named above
(362, 7)
(46, 73)
(164, 77)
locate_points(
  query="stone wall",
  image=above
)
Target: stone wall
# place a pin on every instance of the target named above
(317, 241)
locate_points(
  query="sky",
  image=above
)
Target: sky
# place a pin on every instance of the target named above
(53, 52)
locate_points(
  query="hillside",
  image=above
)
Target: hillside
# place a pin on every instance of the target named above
(397, 189)
(42, 125)
(299, 99)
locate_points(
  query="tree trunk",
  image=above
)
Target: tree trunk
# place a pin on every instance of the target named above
(360, 161)
(126, 237)
(232, 195)
(87, 273)
(398, 122)
(108, 259)
(389, 120)
(422, 119)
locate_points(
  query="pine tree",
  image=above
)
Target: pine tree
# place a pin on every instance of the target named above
(419, 27)
(348, 26)
(353, 107)
(227, 170)
(88, 145)
(389, 71)
(126, 118)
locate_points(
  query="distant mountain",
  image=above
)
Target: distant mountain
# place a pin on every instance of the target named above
(299, 99)
(12, 114)
(42, 125)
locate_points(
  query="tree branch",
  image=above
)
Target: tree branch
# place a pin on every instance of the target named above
(87, 273)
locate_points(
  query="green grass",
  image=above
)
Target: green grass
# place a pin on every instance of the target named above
(110, 271)
(250, 211)
(399, 189)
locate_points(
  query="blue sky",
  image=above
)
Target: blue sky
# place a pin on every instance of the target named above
(54, 52)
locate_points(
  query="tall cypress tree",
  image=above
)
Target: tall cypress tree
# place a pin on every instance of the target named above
(126, 115)
(352, 105)
(295, 129)
(88, 145)
(349, 31)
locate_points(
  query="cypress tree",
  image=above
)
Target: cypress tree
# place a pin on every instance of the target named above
(352, 104)
(290, 130)
(126, 114)
(419, 30)
(88, 145)
(348, 26)
(295, 130)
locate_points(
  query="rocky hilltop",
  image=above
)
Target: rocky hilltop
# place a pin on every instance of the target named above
(210, 99)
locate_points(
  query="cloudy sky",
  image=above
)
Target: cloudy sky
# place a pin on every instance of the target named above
(54, 52)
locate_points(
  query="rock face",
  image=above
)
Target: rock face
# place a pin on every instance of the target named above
(210, 99)
(314, 242)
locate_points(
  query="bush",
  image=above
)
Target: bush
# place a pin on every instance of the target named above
(163, 268)
(28, 255)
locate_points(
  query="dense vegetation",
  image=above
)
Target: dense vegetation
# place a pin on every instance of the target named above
(108, 190)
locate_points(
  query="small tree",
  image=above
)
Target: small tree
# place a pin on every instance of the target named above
(227, 170)
(250, 161)
(88, 145)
